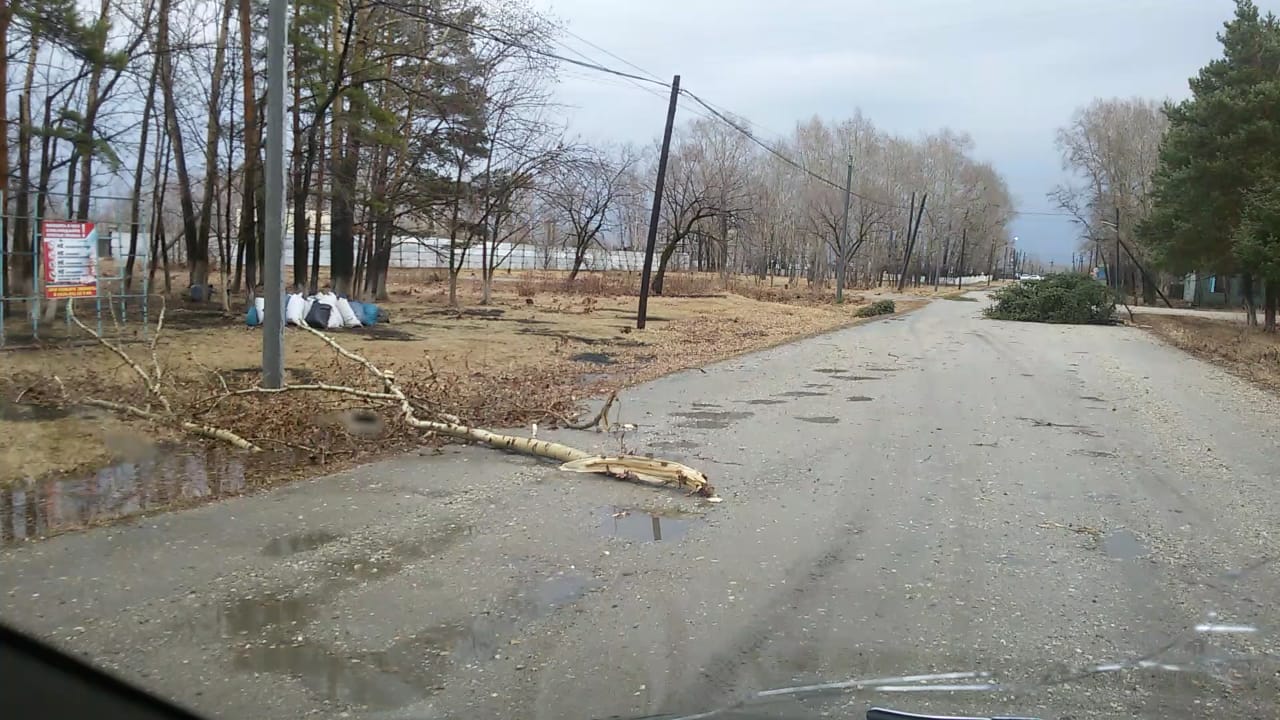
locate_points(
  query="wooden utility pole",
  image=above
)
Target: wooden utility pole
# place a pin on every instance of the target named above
(964, 237)
(843, 245)
(912, 234)
(654, 216)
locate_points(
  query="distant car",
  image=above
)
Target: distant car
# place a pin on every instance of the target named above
(1030, 277)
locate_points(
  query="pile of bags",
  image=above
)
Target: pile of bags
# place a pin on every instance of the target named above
(323, 311)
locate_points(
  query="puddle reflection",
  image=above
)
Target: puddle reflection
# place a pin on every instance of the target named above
(43, 507)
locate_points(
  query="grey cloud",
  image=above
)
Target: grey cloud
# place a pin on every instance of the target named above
(1008, 72)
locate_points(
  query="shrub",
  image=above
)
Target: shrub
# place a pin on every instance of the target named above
(880, 307)
(1061, 298)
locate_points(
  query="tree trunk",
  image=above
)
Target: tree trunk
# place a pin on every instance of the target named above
(84, 144)
(1250, 312)
(455, 268)
(197, 253)
(248, 227)
(299, 192)
(342, 217)
(22, 277)
(135, 201)
(661, 274)
(4, 152)
(313, 283)
(163, 150)
(213, 129)
(1271, 294)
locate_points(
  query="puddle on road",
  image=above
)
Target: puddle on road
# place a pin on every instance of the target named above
(859, 398)
(1123, 545)
(643, 526)
(675, 445)
(266, 633)
(710, 419)
(714, 415)
(766, 402)
(298, 542)
(252, 616)
(62, 503)
(820, 420)
(705, 424)
(406, 673)
(414, 668)
(803, 393)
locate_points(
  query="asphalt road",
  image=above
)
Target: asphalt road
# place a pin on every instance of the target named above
(925, 494)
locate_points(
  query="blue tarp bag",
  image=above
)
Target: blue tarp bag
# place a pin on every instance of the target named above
(368, 314)
(251, 318)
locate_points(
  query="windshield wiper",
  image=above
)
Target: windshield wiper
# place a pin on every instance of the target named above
(885, 714)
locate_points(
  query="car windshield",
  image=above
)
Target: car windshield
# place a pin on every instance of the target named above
(520, 358)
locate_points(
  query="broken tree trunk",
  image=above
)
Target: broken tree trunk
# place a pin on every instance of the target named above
(633, 468)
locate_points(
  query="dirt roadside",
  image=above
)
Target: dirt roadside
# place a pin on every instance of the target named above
(1247, 352)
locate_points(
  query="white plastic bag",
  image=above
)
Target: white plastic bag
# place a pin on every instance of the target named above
(295, 310)
(349, 318)
(335, 317)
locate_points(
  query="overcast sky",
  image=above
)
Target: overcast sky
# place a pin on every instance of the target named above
(1008, 72)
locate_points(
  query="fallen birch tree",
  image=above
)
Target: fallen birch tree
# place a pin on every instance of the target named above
(632, 468)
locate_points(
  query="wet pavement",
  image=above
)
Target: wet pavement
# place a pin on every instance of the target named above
(975, 508)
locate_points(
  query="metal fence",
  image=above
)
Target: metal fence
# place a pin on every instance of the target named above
(76, 261)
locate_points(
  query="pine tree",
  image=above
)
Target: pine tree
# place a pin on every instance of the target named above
(1214, 189)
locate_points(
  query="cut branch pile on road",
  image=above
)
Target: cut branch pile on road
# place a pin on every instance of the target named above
(221, 412)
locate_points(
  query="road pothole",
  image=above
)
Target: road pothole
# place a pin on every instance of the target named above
(819, 419)
(298, 542)
(643, 525)
(1123, 545)
(710, 419)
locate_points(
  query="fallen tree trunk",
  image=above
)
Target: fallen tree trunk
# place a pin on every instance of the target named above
(624, 467)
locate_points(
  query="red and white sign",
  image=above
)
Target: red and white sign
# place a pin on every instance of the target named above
(70, 259)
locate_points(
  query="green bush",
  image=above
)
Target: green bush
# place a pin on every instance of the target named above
(880, 307)
(1061, 298)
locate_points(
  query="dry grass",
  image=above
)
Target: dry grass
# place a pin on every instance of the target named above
(531, 351)
(1247, 352)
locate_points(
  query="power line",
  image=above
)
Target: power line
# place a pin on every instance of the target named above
(476, 31)
(619, 58)
(652, 91)
(783, 157)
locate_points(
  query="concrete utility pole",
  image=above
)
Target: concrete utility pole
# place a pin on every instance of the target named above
(273, 265)
(643, 311)
(844, 234)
